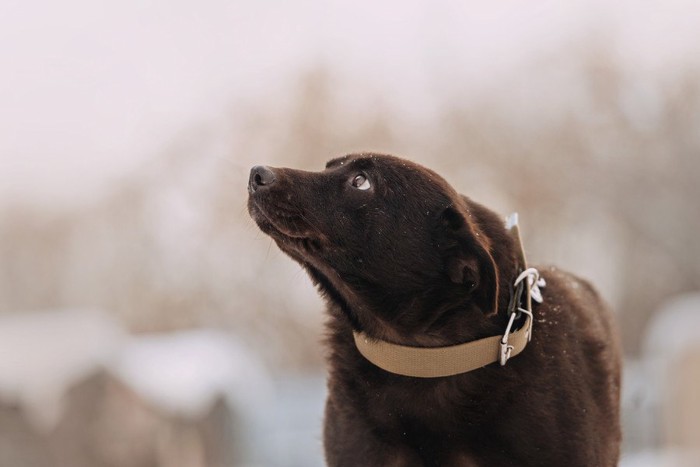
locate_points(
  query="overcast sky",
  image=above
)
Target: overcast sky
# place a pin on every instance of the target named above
(91, 90)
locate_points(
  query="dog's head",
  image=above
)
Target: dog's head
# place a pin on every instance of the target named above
(380, 235)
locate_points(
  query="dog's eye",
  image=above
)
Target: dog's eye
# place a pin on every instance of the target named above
(361, 182)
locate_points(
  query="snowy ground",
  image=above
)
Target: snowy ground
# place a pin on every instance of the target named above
(182, 373)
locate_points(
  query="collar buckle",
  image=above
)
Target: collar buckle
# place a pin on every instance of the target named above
(505, 349)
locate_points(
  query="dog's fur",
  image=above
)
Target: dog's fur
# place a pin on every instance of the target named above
(411, 261)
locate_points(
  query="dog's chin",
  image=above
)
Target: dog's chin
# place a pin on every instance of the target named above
(290, 232)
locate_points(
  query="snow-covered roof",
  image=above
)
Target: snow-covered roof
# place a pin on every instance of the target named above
(43, 354)
(674, 329)
(186, 372)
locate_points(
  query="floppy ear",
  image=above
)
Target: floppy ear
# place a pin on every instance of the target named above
(468, 261)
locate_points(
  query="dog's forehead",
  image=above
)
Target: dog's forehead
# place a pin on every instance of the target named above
(354, 160)
(371, 160)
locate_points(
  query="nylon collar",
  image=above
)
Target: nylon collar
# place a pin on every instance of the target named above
(434, 362)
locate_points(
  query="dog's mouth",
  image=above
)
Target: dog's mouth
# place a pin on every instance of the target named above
(289, 227)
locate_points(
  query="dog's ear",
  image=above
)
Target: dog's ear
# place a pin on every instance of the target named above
(468, 261)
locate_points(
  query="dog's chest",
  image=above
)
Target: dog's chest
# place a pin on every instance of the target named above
(426, 411)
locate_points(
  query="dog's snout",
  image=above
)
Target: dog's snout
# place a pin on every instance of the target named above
(260, 176)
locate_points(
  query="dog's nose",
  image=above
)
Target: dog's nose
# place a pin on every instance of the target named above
(260, 176)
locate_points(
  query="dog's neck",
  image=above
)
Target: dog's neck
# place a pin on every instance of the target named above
(418, 318)
(455, 359)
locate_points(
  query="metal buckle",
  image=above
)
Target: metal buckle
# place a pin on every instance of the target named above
(506, 349)
(528, 282)
(529, 323)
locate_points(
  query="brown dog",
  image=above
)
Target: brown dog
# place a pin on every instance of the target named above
(402, 258)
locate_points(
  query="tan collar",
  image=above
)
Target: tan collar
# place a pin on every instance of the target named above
(433, 362)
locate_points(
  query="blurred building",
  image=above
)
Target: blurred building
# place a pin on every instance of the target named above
(76, 391)
(661, 407)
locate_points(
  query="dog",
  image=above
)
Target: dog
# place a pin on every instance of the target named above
(410, 267)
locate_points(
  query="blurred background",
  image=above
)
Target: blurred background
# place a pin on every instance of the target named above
(144, 319)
